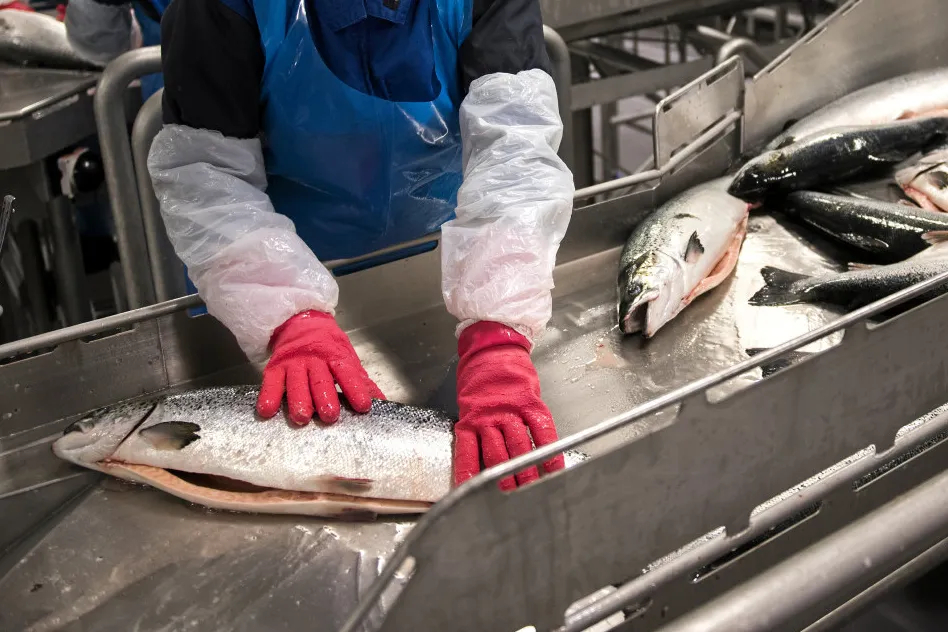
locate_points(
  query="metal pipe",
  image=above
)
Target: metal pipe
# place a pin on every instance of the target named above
(149, 312)
(493, 475)
(167, 271)
(673, 163)
(119, 172)
(886, 538)
(741, 46)
(67, 262)
(563, 79)
(639, 588)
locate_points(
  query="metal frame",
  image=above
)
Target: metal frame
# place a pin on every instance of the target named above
(119, 168)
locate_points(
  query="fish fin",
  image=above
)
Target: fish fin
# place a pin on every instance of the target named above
(778, 287)
(870, 244)
(786, 142)
(855, 265)
(934, 237)
(171, 435)
(694, 249)
(725, 265)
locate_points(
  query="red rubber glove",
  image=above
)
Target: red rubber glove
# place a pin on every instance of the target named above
(310, 355)
(499, 404)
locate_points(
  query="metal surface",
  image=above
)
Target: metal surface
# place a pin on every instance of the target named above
(41, 112)
(690, 476)
(874, 546)
(585, 94)
(67, 262)
(119, 168)
(6, 212)
(697, 107)
(903, 576)
(562, 77)
(167, 271)
(789, 88)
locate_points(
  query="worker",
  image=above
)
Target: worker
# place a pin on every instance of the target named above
(101, 30)
(297, 129)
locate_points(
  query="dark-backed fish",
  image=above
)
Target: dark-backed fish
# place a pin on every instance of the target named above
(853, 289)
(835, 155)
(887, 231)
(36, 39)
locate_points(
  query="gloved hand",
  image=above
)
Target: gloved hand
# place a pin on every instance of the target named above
(310, 355)
(499, 401)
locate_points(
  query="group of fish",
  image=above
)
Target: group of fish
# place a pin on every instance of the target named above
(895, 128)
(208, 447)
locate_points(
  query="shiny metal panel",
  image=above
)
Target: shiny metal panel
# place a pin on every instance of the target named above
(119, 169)
(683, 116)
(864, 42)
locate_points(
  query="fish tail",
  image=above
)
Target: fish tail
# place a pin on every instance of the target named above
(780, 287)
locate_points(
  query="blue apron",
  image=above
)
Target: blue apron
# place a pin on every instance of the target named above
(357, 172)
(151, 36)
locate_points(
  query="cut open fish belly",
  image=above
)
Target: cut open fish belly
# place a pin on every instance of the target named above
(208, 447)
(723, 268)
(275, 501)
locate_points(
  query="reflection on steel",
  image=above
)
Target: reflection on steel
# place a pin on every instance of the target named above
(167, 271)
(674, 162)
(6, 212)
(481, 490)
(67, 262)
(119, 172)
(894, 535)
(562, 77)
(638, 589)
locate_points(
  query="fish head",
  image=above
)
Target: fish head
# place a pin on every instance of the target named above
(760, 174)
(648, 287)
(98, 434)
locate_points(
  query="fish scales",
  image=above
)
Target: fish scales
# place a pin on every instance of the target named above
(917, 93)
(208, 446)
(36, 39)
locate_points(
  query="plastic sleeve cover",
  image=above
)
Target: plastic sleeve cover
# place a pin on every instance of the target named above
(246, 260)
(99, 32)
(513, 206)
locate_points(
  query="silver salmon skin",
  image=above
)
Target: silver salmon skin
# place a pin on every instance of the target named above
(208, 447)
(36, 39)
(885, 231)
(915, 94)
(835, 155)
(682, 250)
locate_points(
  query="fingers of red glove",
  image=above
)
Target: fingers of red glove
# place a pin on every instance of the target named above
(494, 452)
(518, 443)
(271, 391)
(544, 433)
(322, 388)
(355, 384)
(299, 401)
(467, 459)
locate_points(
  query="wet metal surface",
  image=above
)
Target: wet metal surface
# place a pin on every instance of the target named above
(149, 561)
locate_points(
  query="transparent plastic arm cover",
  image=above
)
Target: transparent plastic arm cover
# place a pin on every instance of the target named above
(513, 207)
(246, 260)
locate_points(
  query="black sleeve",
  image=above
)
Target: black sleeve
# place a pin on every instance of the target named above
(506, 36)
(212, 63)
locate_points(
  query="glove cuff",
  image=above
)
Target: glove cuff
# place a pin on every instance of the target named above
(484, 334)
(293, 322)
